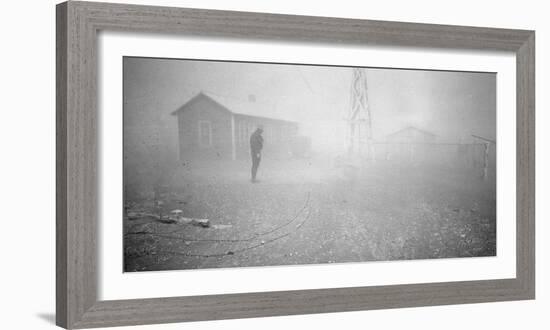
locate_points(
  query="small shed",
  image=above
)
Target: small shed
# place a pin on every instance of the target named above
(410, 144)
(213, 127)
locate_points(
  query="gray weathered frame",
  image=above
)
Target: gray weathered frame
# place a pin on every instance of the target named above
(77, 152)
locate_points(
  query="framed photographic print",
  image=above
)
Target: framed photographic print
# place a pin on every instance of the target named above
(216, 165)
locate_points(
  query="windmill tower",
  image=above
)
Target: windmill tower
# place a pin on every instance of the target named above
(359, 139)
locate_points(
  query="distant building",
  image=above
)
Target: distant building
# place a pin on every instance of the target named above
(214, 127)
(410, 144)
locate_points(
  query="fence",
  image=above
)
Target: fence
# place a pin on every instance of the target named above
(479, 156)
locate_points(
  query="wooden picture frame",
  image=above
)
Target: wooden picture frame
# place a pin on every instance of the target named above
(78, 24)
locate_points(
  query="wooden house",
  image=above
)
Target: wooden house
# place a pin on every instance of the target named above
(213, 127)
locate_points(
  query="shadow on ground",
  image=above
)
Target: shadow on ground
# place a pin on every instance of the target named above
(48, 317)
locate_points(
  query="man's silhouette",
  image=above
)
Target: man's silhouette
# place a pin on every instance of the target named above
(256, 145)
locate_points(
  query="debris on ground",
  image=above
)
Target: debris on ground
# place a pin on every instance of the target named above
(175, 216)
(133, 215)
(176, 213)
(221, 226)
(205, 223)
(417, 216)
(168, 220)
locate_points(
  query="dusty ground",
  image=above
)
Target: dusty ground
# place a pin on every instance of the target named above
(309, 211)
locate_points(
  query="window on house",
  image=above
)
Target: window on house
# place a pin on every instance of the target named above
(239, 133)
(276, 134)
(243, 133)
(267, 133)
(205, 133)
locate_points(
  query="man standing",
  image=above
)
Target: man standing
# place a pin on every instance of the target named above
(256, 144)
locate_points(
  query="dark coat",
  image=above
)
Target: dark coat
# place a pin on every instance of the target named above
(256, 142)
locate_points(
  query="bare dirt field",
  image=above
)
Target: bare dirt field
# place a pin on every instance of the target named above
(307, 211)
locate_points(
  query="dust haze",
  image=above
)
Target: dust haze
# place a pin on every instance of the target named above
(409, 174)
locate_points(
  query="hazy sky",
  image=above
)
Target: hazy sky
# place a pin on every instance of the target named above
(452, 105)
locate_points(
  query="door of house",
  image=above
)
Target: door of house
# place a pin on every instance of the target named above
(205, 133)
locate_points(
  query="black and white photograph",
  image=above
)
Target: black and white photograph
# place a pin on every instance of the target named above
(239, 165)
(247, 164)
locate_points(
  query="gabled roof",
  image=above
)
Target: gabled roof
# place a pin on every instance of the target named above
(199, 96)
(412, 128)
(236, 106)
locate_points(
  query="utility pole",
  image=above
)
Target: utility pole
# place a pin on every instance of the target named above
(486, 145)
(359, 119)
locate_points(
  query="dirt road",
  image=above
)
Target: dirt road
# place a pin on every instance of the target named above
(309, 211)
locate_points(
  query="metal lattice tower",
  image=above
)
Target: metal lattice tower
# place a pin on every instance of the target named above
(359, 117)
